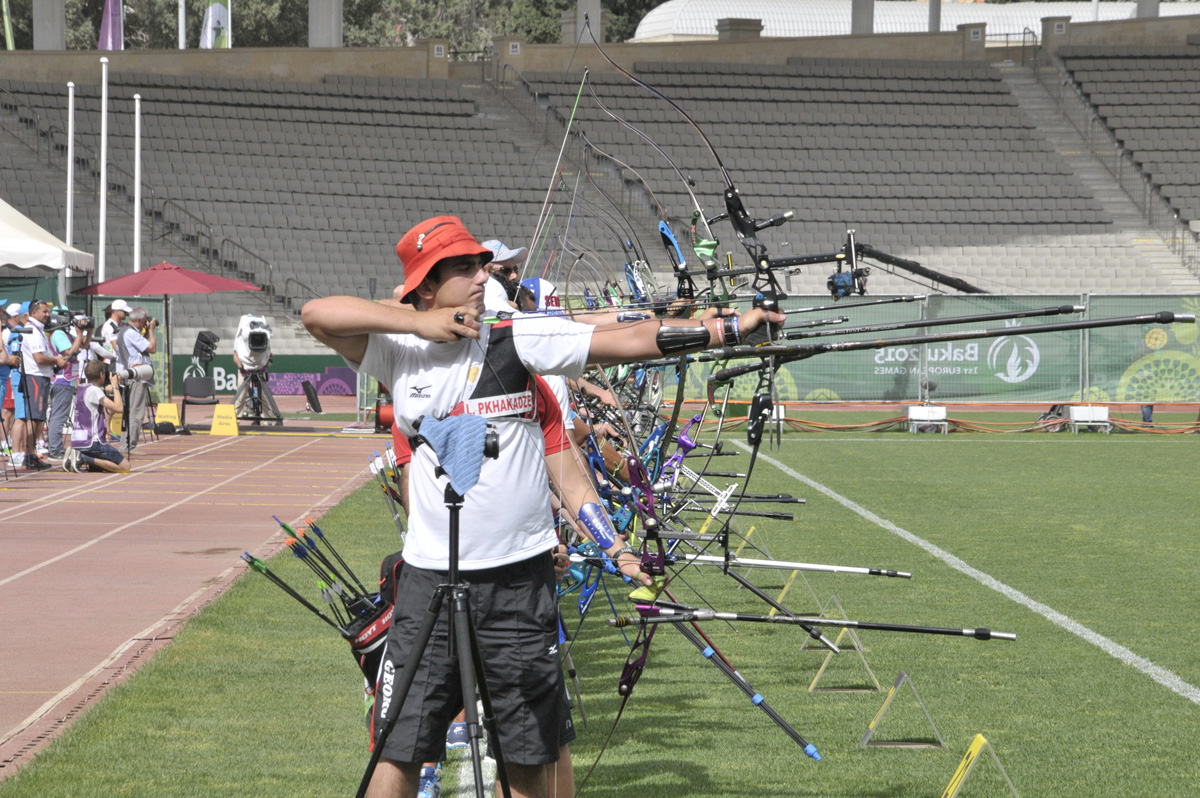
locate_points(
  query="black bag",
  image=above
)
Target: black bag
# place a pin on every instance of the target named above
(164, 428)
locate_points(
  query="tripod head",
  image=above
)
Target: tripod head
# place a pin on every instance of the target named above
(461, 444)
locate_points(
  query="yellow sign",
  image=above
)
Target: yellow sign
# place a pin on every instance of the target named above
(167, 411)
(224, 421)
(114, 424)
(964, 767)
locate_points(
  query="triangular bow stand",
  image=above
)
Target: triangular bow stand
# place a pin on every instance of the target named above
(968, 762)
(856, 644)
(887, 703)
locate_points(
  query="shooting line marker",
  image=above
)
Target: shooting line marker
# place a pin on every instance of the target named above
(968, 762)
(873, 726)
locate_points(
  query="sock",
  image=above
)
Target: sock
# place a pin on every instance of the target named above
(18, 458)
(428, 772)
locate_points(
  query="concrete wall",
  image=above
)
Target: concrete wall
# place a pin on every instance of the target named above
(1163, 31)
(422, 61)
(301, 64)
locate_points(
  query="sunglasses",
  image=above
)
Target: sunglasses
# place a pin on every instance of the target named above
(506, 270)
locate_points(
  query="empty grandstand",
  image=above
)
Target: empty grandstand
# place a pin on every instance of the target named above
(304, 187)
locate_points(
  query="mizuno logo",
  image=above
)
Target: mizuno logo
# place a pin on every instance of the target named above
(420, 391)
(553, 649)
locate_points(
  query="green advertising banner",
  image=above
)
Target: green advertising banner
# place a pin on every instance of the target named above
(1144, 363)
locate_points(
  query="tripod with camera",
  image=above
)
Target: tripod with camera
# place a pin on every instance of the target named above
(461, 444)
(255, 402)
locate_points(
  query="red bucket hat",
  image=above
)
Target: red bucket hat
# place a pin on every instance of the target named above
(431, 241)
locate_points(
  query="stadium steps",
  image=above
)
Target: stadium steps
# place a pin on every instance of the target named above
(1046, 113)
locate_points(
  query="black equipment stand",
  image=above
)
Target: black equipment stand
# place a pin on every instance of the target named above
(464, 649)
(262, 402)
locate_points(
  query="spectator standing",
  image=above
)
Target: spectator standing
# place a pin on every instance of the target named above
(135, 343)
(39, 361)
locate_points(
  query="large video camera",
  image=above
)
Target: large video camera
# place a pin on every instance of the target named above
(257, 334)
(61, 321)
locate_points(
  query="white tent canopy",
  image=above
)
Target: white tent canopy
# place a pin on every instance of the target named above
(25, 245)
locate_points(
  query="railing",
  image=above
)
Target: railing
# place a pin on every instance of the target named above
(227, 261)
(1029, 43)
(1137, 185)
(29, 121)
(308, 289)
(190, 227)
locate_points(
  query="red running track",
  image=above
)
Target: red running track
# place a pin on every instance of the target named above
(98, 570)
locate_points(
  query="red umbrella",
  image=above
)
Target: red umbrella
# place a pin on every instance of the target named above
(166, 279)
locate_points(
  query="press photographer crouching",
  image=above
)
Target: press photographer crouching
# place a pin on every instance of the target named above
(93, 399)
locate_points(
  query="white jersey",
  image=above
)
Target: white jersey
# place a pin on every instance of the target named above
(495, 298)
(506, 517)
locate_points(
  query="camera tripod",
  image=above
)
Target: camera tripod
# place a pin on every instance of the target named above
(464, 648)
(256, 401)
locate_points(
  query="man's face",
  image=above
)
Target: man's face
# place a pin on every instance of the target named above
(458, 281)
(41, 312)
(504, 269)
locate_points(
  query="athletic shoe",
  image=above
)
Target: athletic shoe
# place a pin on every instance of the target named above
(430, 785)
(18, 459)
(456, 737)
(41, 449)
(34, 464)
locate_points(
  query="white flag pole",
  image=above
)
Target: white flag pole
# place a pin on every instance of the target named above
(103, 162)
(137, 182)
(182, 24)
(62, 275)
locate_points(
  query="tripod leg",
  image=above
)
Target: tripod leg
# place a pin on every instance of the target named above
(470, 671)
(404, 683)
(269, 399)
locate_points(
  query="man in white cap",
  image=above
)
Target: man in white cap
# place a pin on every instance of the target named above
(501, 291)
(117, 312)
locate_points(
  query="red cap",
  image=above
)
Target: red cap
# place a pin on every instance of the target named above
(431, 241)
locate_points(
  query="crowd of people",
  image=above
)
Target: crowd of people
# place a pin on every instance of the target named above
(60, 383)
(454, 339)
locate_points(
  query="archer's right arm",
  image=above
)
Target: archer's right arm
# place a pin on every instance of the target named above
(345, 323)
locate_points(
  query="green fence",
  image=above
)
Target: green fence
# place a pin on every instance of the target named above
(1142, 364)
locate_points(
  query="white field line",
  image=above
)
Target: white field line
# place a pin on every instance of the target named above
(146, 518)
(1156, 672)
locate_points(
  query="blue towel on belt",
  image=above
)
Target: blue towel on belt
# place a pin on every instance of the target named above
(458, 443)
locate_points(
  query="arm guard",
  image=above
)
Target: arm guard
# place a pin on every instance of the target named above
(676, 340)
(596, 522)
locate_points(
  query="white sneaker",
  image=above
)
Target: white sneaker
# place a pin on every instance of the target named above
(42, 450)
(18, 459)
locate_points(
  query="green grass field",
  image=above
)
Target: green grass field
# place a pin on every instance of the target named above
(257, 697)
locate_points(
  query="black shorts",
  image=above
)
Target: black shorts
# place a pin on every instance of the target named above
(37, 397)
(515, 611)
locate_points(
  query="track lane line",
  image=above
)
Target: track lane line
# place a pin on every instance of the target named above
(1166, 678)
(145, 518)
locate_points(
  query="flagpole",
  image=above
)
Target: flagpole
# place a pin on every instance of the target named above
(103, 161)
(137, 182)
(182, 24)
(62, 275)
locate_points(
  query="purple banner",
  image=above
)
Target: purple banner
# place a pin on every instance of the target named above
(335, 381)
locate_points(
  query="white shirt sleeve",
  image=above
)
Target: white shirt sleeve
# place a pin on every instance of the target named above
(381, 359)
(553, 345)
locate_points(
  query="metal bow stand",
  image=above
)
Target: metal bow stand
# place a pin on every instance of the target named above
(464, 650)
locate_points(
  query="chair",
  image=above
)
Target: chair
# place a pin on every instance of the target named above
(197, 391)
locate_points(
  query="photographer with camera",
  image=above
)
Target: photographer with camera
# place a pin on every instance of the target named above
(114, 317)
(71, 338)
(135, 342)
(92, 399)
